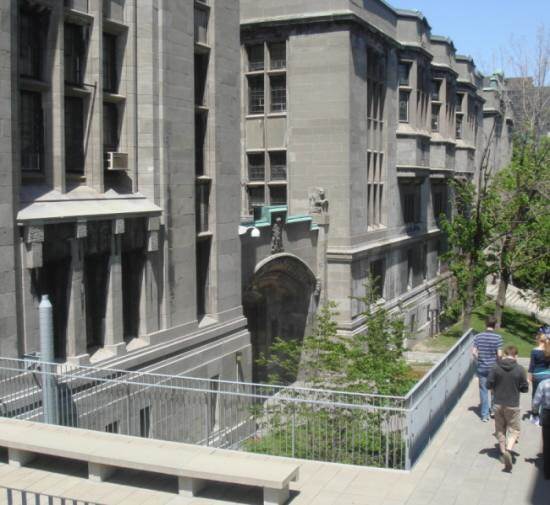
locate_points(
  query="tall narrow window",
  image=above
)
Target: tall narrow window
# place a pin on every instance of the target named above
(31, 35)
(436, 85)
(256, 167)
(110, 66)
(203, 274)
(278, 93)
(110, 127)
(377, 274)
(256, 95)
(200, 141)
(201, 72)
(256, 197)
(410, 268)
(277, 161)
(277, 55)
(459, 119)
(404, 71)
(404, 106)
(435, 117)
(74, 134)
(459, 100)
(201, 24)
(32, 132)
(74, 52)
(255, 58)
(202, 202)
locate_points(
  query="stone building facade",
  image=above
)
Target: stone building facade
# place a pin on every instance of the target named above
(120, 197)
(185, 191)
(362, 100)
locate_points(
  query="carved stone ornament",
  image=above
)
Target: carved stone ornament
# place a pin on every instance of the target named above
(277, 237)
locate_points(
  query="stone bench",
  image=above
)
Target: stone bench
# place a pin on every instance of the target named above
(104, 453)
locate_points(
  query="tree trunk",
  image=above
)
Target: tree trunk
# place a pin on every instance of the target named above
(501, 298)
(468, 305)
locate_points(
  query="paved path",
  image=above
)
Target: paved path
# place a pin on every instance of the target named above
(459, 468)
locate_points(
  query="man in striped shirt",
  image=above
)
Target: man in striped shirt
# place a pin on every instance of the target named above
(487, 349)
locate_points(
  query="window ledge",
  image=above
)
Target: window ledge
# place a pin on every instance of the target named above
(254, 72)
(277, 114)
(203, 179)
(27, 83)
(72, 90)
(276, 71)
(278, 183)
(255, 183)
(114, 27)
(203, 109)
(202, 48)
(260, 115)
(78, 17)
(113, 97)
(204, 235)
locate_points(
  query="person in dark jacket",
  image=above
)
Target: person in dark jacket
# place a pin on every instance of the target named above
(507, 379)
(539, 365)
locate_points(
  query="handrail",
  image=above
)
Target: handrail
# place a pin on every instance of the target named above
(25, 494)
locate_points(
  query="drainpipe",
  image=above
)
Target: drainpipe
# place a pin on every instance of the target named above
(49, 403)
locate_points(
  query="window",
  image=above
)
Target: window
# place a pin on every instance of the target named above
(201, 72)
(32, 132)
(256, 167)
(435, 117)
(424, 145)
(404, 72)
(110, 67)
(277, 55)
(410, 268)
(31, 35)
(256, 197)
(75, 48)
(112, 427)
(203, 249)
(277, 195)
(256, 95)
(278, 93)
(145, 422)
(200, 140)
(459, 101)
(74, 134)
(201, 24)
(459, 119)
(110, 127)
(436, 85)
(404, 106)
(377, 274)
(255, 58)
(277, 161)
(439, 200)
(411, 203)
(202, 204)
(376, 97)
(425, 262)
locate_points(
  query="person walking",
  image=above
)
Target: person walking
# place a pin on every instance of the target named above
(539, 366)
(487, 349)
(507, 379)
(541, 406)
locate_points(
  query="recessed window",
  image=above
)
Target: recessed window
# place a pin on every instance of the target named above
(277, 195)
(459, 119)
(32, 132)
(31, 44)
(435, 117)
(278, 93)
(256, 197)
(278, 166)
(256, 167)
(74, 134)
(436, 85)
(459, 100)
(201, 25)
(112, 427)
(110, 66)
(256, 101)
(404, 106)
(74, 53)
(377, 274)
(145, 422)
(110, 127)
(277, 55)
(404, 73)
(255, 57)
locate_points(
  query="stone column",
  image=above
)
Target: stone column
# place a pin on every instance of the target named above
(76, 318)
(149, 317)
(114, 320)
(31, 253)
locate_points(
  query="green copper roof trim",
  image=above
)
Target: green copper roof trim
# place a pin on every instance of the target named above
(269, 210)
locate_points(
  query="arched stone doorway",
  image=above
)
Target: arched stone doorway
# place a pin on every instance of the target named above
(280, 301)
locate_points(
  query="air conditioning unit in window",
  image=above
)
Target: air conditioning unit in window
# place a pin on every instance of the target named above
(117, 161)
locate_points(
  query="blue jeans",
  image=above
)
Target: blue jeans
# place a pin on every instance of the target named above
(484, 394)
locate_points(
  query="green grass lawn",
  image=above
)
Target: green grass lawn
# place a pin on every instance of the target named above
(517, 329)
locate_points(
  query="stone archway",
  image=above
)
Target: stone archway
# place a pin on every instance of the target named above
(280, 301)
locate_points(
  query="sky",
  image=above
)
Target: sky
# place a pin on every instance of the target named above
(484, 29)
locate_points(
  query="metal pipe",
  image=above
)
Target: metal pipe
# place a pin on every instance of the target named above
(49, 397)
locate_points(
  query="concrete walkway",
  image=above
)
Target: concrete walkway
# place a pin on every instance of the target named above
(460, 467)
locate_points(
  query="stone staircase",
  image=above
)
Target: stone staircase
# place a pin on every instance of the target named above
(522, 301)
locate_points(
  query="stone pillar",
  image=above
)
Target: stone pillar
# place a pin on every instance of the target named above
(114, 319)
(149, 317)
(31, 253)
(76, 318)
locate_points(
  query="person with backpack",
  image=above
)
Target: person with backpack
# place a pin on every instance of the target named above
(539, 365)
(487, 349)
(507, 379)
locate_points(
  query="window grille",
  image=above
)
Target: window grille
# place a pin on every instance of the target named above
(256, 95)
(278, 93)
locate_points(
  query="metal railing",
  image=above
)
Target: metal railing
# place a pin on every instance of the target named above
(22, 497)
(300, 422)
